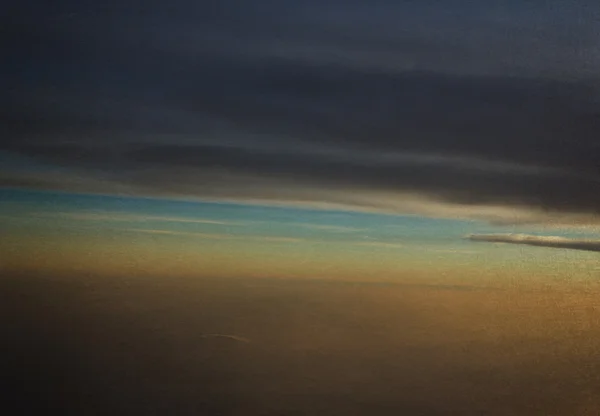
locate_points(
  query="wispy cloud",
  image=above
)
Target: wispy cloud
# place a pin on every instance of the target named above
(182, 233)
(539, 241)
(332, 228)
(92, 216)
(214, 236)
(380, 244)
(452, 251)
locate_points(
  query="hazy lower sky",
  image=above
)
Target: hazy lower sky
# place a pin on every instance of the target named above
(120, 234)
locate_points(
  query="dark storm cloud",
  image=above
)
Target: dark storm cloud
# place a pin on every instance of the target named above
(539, 241)
(494, 104)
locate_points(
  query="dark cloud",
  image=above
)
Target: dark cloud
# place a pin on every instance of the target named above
(539, 241)
(494, 104)
(236, 338)
(454, 180)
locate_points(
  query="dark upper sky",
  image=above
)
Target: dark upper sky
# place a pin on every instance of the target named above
(364, 103)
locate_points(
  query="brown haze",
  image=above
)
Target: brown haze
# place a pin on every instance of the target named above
(255, 347)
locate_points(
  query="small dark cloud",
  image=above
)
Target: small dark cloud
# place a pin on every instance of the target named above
(226, 337)
(539, 241)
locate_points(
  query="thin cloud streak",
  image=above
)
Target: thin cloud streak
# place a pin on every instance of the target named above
(134, 218)
(382, 244)
(538, 241)
(331, 228)
(379, 244)
(217, 236)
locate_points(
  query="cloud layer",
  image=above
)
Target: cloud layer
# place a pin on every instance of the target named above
(461, 106)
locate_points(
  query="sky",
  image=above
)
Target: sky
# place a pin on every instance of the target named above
(71, 233)
(435, 110)
(301, 206)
